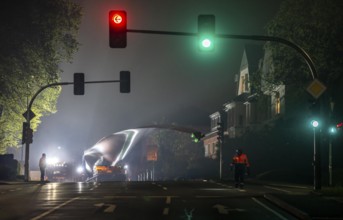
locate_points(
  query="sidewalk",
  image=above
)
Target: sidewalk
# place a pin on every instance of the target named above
(309, 206)
(304, 203)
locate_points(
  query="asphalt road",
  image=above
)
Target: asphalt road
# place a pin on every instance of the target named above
(187, 200)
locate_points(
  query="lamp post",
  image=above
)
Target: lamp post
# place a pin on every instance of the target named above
(316, 156)
(332, 131)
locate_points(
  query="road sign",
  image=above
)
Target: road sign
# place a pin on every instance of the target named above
(31, 115)
(316, 88)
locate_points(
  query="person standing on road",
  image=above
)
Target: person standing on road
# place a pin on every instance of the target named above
(240, 164)
(42, 166)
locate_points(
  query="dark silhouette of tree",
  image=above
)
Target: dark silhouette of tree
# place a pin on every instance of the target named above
(36, 36)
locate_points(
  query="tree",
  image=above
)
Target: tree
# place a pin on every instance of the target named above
(36, 36)
(315, 25)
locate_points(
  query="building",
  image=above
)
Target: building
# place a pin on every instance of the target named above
(251, 107)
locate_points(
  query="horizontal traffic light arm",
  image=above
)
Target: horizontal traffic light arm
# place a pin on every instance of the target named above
(300, 50)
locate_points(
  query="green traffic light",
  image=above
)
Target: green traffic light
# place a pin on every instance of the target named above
(206, 43)
(332, 130)
(314, 123)
(206, 31)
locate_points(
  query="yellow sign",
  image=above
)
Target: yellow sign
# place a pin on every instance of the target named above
(316, 88)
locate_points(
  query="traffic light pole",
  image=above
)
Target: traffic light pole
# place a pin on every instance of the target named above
(304, 54)
(28, 119)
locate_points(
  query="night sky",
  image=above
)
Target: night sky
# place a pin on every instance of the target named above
(171, 80)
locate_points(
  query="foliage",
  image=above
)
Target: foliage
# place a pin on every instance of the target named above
(315, 25)
(36, 36)
(177, 154)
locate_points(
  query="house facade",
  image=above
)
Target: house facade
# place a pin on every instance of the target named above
(250, 108)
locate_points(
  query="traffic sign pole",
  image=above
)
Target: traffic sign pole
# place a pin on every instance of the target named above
(29, 115)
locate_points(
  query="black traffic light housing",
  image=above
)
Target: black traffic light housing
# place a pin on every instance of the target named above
(117, 28)
(206, 31)
(24, 133)
(27, 134)
(220, 131)
(125, 82)
(79, 83)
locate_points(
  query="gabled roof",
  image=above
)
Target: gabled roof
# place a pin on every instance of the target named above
(251, 57)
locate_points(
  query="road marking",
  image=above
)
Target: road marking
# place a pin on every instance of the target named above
(110, 207)
(54, 209)
(209, 197)
(274, 188)
(165, 188)
(120, 197)
(221, 209)
(168, 200)
(165, 211)
(269, 209)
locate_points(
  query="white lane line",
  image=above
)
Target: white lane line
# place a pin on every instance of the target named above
(269, 209)
(209, 197)
(168, 200)
(54, 209)
(120, 197)
(165, 188)
(274, 188)
(165, 211)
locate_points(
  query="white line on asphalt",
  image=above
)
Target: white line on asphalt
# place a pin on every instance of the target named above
(120, 197)
(269, 209)
(209, 197)
(53, 209)
(168, 200)
(165, 211)
(165, 188)
(274, 188)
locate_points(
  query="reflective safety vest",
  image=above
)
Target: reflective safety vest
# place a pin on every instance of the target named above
(240, 159)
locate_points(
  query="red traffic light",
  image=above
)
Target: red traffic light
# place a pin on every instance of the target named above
(117, 28)
(117, 18)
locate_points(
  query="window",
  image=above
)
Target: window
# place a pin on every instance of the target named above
(277, 103)
(246, 82)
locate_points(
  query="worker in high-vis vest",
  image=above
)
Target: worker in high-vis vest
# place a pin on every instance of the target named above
(241, 166)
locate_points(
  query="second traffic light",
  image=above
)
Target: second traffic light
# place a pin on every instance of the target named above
(206, 32)
(220, 131)
(117, 28)
(79, 83)
(125, 82)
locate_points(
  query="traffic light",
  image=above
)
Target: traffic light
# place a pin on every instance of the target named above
(117, 28)
(332, 130)
(314, 123)
(206, 32)
(23, 139)
(220, 131)
(125, 81)
(196, 136)
(27, 135)
(79, 84)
